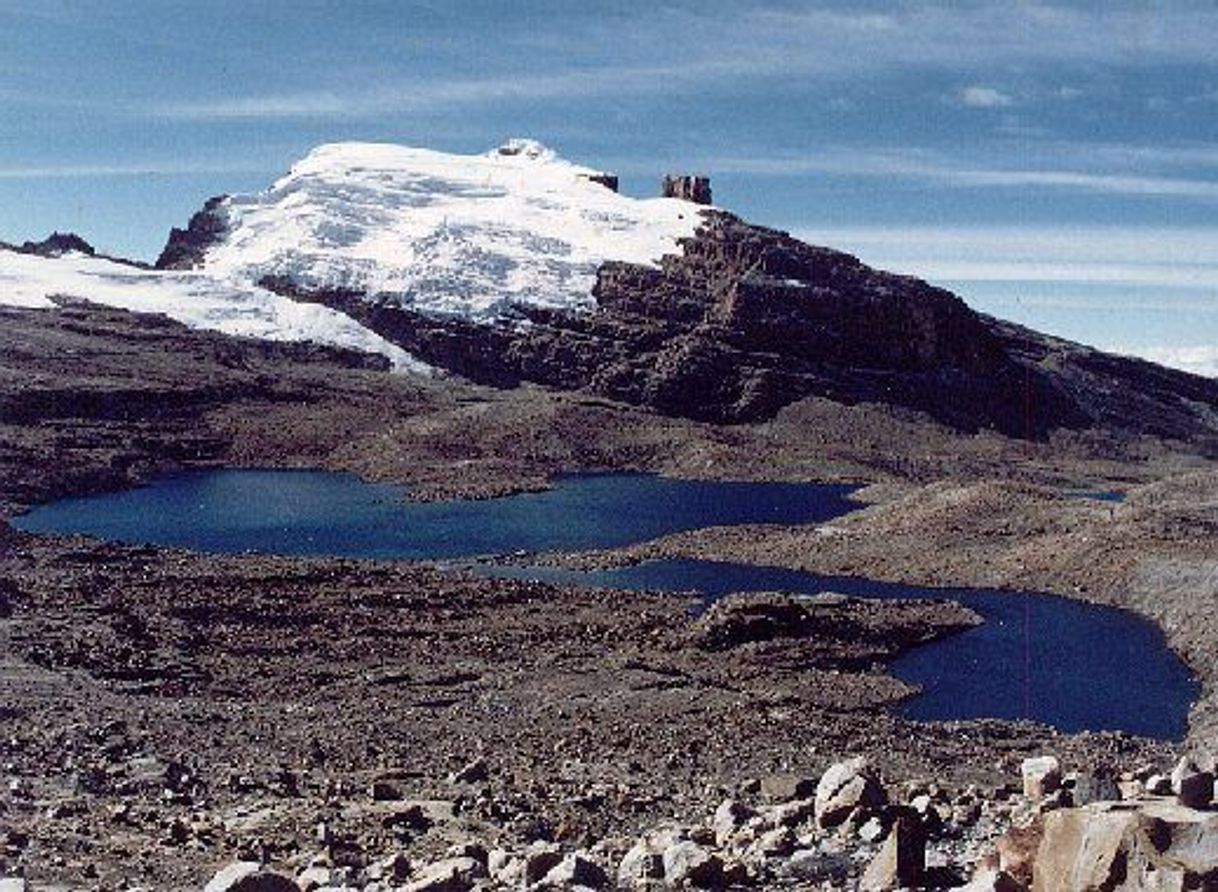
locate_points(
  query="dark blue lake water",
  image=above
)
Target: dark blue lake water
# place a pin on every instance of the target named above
(1071, 665)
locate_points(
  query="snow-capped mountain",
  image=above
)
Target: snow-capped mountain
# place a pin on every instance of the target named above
(516, 265)
(441, 234)
(200, 300)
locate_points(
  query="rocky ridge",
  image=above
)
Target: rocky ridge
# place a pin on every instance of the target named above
(747, 320)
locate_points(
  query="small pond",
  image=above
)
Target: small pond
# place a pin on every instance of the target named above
(1072, 665)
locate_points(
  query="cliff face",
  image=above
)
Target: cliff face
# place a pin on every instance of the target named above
(745, 321)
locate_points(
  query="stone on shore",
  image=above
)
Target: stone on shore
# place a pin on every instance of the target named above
(846, 787)
(1041, 776)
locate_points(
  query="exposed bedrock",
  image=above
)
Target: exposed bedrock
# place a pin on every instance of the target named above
(186, 247)
(748, 320)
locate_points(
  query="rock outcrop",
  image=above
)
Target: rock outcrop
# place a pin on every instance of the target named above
(686, 188)
(56, 244)
(186, 247)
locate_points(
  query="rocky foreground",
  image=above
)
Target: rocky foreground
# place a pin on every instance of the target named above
(166, 711)
(165, 714)
(1054, 832)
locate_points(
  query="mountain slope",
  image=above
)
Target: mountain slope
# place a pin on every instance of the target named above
(517, 266)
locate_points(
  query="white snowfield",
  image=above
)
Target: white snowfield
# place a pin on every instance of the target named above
(198, 300)
(455, 235)
(441, 234)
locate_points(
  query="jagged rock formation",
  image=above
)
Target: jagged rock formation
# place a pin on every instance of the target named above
(686, 188)
(57, 244)
(186, 247)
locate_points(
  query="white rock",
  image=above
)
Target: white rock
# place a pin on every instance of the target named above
(576, 869)
(249, 876)
(687, 863)
(847, 786)
(1041, 775)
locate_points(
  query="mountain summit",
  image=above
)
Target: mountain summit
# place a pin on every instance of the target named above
(441, 234)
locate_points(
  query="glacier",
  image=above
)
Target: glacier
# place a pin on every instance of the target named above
(444, 234)
(199, 300)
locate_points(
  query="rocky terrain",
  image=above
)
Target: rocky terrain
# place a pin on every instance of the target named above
(275, 723)
(167, 713)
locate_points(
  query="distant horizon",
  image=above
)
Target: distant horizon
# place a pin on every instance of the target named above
(1052, 163)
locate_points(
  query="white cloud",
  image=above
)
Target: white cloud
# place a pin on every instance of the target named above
(1200, 360)
(913, 164)
(984, 97)
(87, 171)
(831, 45)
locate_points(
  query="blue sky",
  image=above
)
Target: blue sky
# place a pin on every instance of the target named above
(1054, 163)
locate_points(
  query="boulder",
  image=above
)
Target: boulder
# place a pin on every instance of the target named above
(449, 875)
(688, 864)
(641, 863)
(1192, 780)
(249, 876)
(1147, 845)
(1041, 776)
(900, 862)
(729, 817)
(776, 843)
(539, 859)
(844, 788)
(576, 869)
(12, 884)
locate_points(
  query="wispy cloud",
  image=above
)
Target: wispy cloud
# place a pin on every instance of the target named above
(984, 97)
(827, 44)
(87, 171)
(1166, 258)
(418, 96)
(913, 164)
